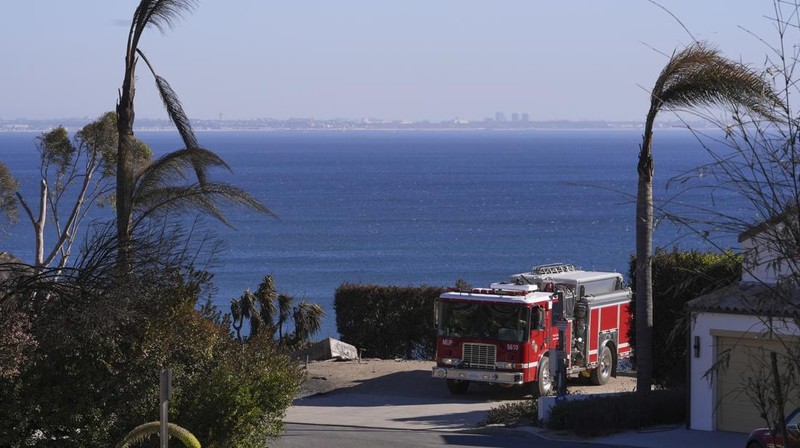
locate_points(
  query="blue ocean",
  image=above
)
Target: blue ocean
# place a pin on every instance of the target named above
(413, 207)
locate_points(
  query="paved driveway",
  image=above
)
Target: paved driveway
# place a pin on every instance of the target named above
(402, 400)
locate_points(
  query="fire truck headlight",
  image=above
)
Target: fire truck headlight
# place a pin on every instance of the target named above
(451, 361)
(507, 365)
(441, 373)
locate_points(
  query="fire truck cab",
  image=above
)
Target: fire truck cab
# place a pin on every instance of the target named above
(509, 333)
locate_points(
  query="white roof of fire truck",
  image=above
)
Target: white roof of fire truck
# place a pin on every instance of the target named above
(561, 273)
(524, 287)
(505, 295)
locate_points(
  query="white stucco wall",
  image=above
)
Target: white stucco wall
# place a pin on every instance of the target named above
(761, 261)
(703, 393)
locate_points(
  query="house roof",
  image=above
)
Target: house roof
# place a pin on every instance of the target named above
(774, 220)
(751, 298)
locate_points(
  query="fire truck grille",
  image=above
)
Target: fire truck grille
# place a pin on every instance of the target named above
(480, 356)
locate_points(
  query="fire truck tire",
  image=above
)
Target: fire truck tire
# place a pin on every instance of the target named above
(602, 373)
(457, 387)
(544, 381)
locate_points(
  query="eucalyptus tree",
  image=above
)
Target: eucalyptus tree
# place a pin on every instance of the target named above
(9, 213)
(161, 186)
(695, 76)
(75, 175)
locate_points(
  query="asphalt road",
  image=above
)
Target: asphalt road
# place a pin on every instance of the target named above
(323, 436)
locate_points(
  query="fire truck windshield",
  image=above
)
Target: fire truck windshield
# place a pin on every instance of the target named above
(485, 320)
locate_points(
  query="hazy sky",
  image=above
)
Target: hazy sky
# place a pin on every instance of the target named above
(392, 59)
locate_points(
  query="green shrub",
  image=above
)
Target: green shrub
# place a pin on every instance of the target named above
(388, 321)
(240, 395)
(512, 414)
(677, 278)
(93, 373)
(607, 414)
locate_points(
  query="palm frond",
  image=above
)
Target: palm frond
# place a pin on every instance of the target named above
(199, 198)
(699, 75)
(236, 310)
(248, 305)
(307, 320)
(176, 114)
(172, 167)
(285, 302)
(173, 106)
(265, 294)
(161, 14)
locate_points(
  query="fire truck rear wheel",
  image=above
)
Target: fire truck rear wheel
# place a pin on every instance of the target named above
(457, 387)
(602, 373)
(544, 382)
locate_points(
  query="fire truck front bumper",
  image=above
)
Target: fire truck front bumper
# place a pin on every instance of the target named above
(483, 376)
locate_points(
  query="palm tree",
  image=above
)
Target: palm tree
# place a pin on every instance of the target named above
(285, 302)
(307, 321)
(249, 310)
(265, 295)
(143, 190)
(696, 76)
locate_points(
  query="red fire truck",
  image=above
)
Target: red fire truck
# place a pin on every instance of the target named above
(508, 334)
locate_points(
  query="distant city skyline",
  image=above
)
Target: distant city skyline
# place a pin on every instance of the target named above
(309, 124)
(465, 60)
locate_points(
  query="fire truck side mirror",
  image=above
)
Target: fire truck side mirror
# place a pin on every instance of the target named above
(558, 306)
(538, 318)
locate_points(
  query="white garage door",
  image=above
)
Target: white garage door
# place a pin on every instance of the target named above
(748, 369)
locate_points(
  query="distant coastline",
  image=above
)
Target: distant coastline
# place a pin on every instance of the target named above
(313, 125)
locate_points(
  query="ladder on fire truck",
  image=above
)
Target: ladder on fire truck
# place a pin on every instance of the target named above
(552, 268)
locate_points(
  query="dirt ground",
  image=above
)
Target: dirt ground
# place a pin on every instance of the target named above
(413, 378)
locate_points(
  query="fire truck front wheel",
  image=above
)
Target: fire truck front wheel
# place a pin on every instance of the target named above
(602, 373)
(457, 387)
(544, 382)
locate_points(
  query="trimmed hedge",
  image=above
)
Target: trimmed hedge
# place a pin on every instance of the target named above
(608, 414)
(388, 321)
(677, 278)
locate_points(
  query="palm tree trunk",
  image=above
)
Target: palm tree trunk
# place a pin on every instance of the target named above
(125, 175)
(644, 266)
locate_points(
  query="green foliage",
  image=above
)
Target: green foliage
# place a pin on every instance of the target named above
(100, 138)
(388, 321)
(596, 416)
(56, 150)
(9, 213)
(147, 430)
(101, 340)
(269, 313)
(239, 396)
(16, 343)
(677, 278)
